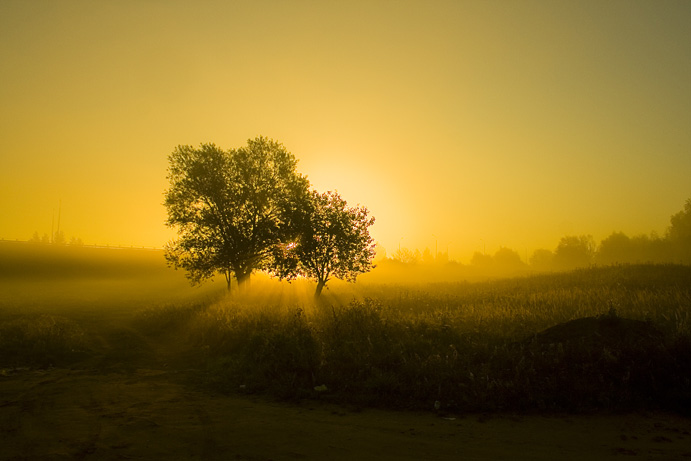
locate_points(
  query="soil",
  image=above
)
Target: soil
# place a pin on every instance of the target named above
(150, 414)
(604, 331)
(136, 396)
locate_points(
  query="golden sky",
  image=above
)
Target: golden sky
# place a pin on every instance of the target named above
(475, 124)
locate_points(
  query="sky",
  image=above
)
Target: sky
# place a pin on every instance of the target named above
(465, 125)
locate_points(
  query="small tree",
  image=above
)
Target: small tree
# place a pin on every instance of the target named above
(334, 242)
(481, 260)
(406, 256)
(679, 233)
(508, 258)
(575, 251)
(35, 238)
(76, 242)
(231, 207)
(617, 248)
(541, 259)
(59, 238)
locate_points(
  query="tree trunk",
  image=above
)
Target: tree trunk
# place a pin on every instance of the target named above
(243, 279)
(229, 278)
(320, 287)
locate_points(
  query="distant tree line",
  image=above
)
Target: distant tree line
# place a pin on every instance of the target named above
(58, 238)
(619, 248)
(248, 209)
(573, 251)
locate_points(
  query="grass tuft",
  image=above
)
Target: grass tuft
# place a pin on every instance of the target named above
(40, 341)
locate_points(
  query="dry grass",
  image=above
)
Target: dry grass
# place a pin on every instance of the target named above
(41, 341)
(451, 346)
(465, 347)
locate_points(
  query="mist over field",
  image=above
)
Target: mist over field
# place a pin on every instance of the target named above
(322, 230)
(437, 337)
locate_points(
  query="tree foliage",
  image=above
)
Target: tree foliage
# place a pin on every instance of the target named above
(575, 251)
(334, 242)
(406, 256)
(679, 233)
(231, 207)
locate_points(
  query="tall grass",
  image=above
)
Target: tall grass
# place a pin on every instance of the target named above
(452, 347)
(463, 347)
(40, 341)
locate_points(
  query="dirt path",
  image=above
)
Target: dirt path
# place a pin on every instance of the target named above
(150, 414)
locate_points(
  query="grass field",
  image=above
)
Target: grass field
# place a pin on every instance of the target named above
(447, 347)
(463, 347)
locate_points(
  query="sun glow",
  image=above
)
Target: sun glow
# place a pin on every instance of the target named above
(457, 124)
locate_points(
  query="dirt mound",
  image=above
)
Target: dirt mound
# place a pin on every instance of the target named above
(610, 331)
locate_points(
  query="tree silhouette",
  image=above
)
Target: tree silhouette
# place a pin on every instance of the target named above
(481, 260)
(334, 242)
(679, 233)
(575, 251)
(35, 238)
(231, 207)
(508, 259)
(59, 238)
(617, 248)
(541, 259)
(406, 256)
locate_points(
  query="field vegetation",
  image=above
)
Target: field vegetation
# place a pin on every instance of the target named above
(465, 347)
(509, 345)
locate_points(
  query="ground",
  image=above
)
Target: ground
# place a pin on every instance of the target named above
(132, 400)
(138, 395)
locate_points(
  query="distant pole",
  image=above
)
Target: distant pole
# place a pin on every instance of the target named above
(59, 213)
(436, 247)
(52, 227)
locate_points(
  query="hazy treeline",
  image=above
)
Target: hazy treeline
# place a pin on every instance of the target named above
(582, 250)
(57, 238)
(572, 251)
(32, 260)
(403, 266)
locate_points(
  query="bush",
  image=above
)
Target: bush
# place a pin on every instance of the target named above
(40, 341)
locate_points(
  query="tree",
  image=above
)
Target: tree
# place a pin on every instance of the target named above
(231, 207)
(59, 238)
(379, 253)
(508, 259)
(541, 259)
(679, 233)
(76, 242)
(481, 260)
(617, 248)
(334, 242)
(406, 256)
(574, 251)
(427, 256)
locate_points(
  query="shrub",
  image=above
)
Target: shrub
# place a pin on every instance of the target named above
(40, 341)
